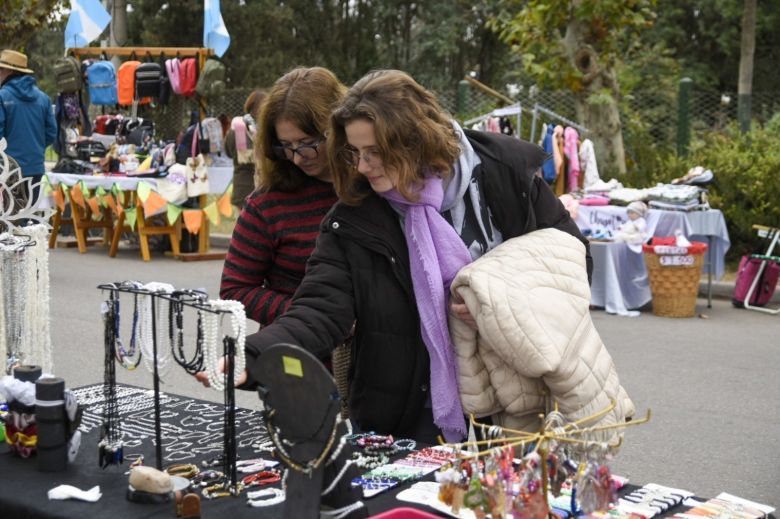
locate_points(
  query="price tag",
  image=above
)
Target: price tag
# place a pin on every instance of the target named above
(676, 261)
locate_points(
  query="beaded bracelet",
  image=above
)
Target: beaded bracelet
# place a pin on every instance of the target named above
(405, 444)
(375, 439)
(264, 477)
(265, 497)
(185, 470)
(381, 448)
(215, 491)
(207, 477)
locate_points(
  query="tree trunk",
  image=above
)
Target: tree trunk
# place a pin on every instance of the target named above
(597, 101)
(747, 50)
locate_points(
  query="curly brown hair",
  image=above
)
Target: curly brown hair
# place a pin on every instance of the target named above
(305, 97)
(413, 133)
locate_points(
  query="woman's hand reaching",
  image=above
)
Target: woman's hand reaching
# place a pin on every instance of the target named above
(203, 377)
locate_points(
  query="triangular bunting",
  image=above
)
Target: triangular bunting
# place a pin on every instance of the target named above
(212, 213)
(94, 206)
(77, 196)
(118, 209)
(108, 201)
(143, 191)
(225, 207)
(154, 203)
(46, 185)
(193, 219)
(100, 191)
(115, 189)
(84, 189)
(130, 218)
(59, 198)
(173, 213)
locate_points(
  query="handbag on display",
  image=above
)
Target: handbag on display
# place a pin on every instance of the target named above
(197, 176)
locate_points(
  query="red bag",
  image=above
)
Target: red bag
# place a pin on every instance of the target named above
(747, 272)
(188, 76)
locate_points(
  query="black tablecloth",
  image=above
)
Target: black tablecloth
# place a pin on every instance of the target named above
(191, 433)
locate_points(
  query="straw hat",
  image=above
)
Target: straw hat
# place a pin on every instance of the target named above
(13, 60)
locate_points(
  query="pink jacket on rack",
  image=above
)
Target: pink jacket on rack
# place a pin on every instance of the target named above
(571, 141)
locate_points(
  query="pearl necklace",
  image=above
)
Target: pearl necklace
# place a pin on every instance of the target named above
(146, 337)
(211, 323)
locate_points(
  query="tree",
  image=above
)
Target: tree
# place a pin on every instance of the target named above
(22, 19)
(748, 48)
(576, 45)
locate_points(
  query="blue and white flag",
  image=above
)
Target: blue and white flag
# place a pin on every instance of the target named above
(86, 22)
(215, 34)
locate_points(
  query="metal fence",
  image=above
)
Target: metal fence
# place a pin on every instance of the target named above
(647, 120)
(656, 115)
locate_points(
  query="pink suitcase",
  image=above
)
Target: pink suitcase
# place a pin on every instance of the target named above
(749, 268)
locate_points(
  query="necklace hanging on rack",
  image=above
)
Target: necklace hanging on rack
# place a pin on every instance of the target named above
(125, 357)
(110, 445)
(147, 338)
(211, 340)
(176, 337)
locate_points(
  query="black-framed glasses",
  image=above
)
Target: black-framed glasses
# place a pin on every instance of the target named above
(352, 157)
(306, 151)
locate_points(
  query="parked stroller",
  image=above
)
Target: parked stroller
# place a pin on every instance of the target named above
(757, 275)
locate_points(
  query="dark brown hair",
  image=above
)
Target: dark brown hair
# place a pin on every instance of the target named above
(413, 134)
(305, 97)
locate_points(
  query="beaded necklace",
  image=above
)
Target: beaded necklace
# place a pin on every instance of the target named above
(125, 357)
(176, 337)
(110, 445)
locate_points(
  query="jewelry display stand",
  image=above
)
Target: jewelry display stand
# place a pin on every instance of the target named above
(302, 415)
(193, 299)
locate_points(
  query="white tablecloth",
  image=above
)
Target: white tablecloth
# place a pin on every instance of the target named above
(619, 278)
(707, 226)
(219, 180)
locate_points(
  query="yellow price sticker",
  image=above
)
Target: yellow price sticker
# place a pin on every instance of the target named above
(292, 366)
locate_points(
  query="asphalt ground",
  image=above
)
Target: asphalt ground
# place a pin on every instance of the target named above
(713, 384)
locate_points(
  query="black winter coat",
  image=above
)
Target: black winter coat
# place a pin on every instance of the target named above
(359, 273)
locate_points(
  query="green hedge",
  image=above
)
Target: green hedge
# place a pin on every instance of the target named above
(747, 179)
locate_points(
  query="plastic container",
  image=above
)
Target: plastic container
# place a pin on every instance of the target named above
(404, 513)
(674, 274)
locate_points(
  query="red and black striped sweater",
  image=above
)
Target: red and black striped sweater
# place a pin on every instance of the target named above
(274, 236)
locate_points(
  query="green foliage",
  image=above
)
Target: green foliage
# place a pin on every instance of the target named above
(536, 28)
(705, 37)
(746, 187)
(21, 19)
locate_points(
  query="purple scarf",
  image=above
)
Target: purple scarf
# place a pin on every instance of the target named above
(436, 254)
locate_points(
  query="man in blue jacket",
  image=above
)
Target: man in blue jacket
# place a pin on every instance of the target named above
(26, 115)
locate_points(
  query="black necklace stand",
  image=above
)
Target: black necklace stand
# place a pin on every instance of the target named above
(301, 412)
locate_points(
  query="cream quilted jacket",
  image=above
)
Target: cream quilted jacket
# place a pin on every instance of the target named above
(530, 298)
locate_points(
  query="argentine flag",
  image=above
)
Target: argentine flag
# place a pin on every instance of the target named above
(215, 34)
(86, 22)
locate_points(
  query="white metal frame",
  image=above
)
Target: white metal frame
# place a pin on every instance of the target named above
(773, 235)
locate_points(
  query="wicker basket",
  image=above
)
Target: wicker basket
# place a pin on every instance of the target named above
(674, 287)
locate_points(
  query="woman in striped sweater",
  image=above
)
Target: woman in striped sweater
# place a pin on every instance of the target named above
(278, 226)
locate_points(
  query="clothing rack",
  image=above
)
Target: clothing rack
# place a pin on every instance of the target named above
(506, 111)
(200, 53)
(541, 109)
(198, 300)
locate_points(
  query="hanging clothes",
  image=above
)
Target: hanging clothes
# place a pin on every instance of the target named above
(571, 148)
(548, 168)
(588, 164)
(559, 160)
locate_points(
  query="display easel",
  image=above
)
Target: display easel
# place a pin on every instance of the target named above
(201, 54)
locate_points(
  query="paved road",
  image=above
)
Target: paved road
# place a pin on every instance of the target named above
(713, 384)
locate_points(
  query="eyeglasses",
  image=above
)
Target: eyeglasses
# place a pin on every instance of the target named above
(352, 157)
(306, 151)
